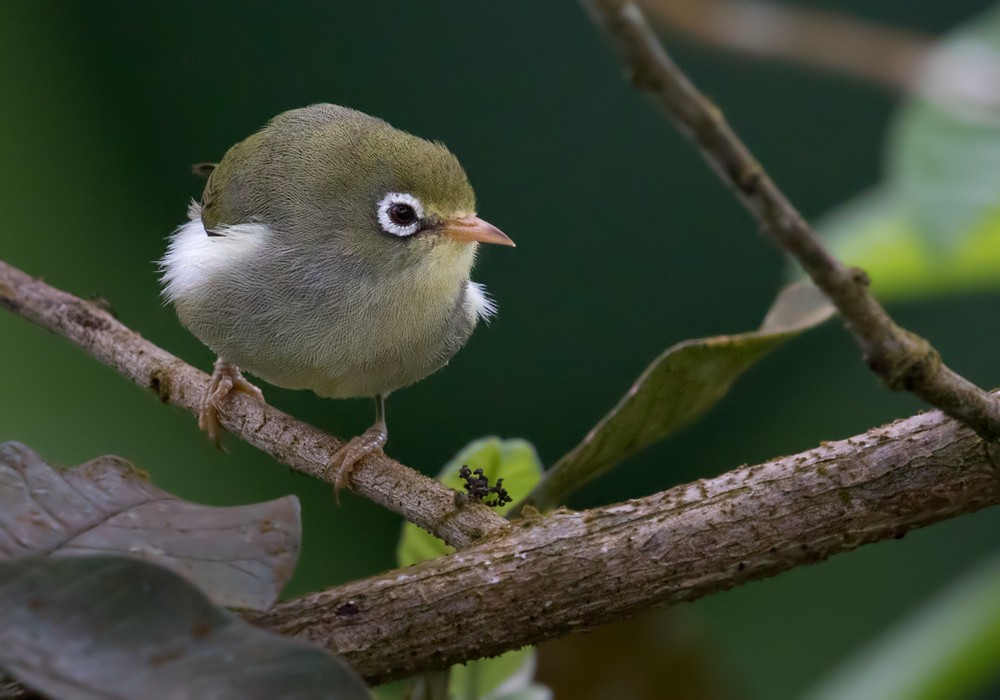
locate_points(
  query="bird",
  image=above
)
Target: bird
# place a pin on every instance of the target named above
(329, 251)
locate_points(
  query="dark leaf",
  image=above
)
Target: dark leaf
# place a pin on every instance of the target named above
(97, 628)
(241, 556)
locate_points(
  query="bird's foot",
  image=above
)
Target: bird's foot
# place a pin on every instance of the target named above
(226, 378)
(359, 447)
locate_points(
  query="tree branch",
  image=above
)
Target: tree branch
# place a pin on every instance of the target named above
(543, 577)
(419, 499)
(570, 571)
(903, 360)
(882, 54)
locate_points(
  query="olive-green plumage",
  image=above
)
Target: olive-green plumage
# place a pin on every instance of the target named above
(287, 270)
(336, 162)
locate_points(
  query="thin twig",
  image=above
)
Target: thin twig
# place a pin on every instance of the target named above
(887, 55)
(903, 360)
(298, 445)
(571, 571)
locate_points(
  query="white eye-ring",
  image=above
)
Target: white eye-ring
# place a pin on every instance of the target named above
(400, 214)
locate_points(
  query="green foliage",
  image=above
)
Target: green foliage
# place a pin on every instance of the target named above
(678, 387)
(506, 677)
(873, 233)
(933, 227)
(79, 628)
(944, 154)
(514, 460)
(948, 650)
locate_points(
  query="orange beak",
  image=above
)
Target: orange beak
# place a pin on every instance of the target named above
(472, 228)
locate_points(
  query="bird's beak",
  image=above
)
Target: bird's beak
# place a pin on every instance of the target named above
(472, 228)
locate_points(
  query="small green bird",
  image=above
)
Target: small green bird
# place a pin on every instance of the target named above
(330, 252)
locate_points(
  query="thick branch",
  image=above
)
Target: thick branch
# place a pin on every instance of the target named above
(902, 359)
(570, 571)
(544, 577)
(298, 445)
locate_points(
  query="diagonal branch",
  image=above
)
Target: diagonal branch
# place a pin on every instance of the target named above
(302, 447)
(571, 571)
(903, 360)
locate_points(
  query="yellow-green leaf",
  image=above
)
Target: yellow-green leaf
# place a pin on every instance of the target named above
(504, 677)
(514, 460)
(874, 234)
(943, 156)
(933, 226)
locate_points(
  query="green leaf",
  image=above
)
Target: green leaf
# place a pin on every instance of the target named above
(514, 460)
(241, 556)
(944, 153)
(947, 651)
(679, 386)
(96, 628)
(506, 677)
(933, 226)
(870, 233)
(535, 692)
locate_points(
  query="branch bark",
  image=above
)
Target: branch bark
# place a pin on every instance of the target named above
(539, 578)
(903, 360)
(570, 571)
(419, 499)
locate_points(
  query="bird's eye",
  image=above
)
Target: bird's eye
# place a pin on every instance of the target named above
(400, 214)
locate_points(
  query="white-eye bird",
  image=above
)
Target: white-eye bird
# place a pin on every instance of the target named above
(330, 252)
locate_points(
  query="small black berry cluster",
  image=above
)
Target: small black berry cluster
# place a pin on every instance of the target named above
(478, 486)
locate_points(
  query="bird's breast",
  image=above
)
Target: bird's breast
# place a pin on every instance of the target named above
(372, 337)
(331, 325)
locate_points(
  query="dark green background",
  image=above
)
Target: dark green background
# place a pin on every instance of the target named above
(626, 244)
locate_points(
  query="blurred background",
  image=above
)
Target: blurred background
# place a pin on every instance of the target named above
(627, 244)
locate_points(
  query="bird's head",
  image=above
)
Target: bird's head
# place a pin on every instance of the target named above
(334, 178)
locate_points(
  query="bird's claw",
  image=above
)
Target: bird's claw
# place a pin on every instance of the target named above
(356, 449)
(226, 378)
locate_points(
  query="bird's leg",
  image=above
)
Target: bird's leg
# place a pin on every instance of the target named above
(226, 378)
(372, 440)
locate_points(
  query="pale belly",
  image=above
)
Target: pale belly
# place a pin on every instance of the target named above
(349, 350)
